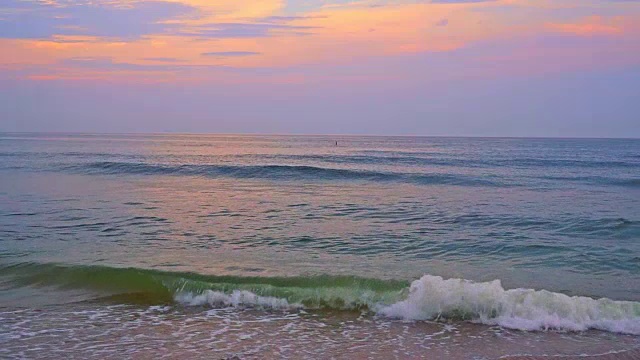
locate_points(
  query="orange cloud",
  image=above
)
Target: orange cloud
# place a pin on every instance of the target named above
(211, 11)
(337, 35)
(590, 26)
(333, 35)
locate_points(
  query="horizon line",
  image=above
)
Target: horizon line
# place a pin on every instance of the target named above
(161, 133)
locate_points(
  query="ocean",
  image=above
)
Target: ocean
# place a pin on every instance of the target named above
(316, 247)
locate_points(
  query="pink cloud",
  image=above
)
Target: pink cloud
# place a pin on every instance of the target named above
(590, 26)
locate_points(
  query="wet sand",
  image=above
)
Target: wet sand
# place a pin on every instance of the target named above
(632, 354)
(91, 331)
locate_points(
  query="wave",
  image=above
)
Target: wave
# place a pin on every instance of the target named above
(291, 172)
(596, 180)
(237, 298)
(408, 158)
(432, 297)
(315, 292)
(420, 159)
(428, 298)
(277, 172)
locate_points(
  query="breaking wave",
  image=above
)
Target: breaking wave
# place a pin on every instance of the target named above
(432, 297)
(428, 298)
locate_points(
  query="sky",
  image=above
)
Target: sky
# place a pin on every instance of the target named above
(567, 68)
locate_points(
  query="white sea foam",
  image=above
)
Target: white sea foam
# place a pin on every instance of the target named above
(238, 298)
(432, 297)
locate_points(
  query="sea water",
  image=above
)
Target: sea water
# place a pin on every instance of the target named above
(207, 246)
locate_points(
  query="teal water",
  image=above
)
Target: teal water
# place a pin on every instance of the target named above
(519, 233)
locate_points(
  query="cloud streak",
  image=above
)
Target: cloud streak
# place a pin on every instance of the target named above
(590, 26)
(34, 20)
(230, 53)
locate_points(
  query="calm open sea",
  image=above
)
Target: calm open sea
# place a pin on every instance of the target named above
(205, 246)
